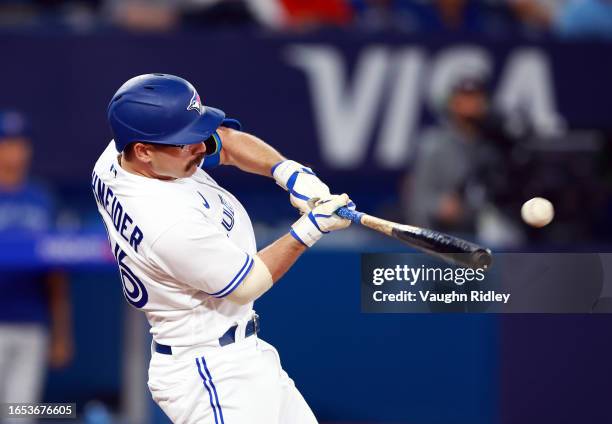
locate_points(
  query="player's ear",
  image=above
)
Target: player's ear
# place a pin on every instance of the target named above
(142, 152)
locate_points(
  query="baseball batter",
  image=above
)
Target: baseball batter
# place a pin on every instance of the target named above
(187, 255)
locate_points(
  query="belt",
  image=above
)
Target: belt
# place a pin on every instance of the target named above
(229, 337)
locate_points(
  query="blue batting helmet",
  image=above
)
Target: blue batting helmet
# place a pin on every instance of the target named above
(162, 109)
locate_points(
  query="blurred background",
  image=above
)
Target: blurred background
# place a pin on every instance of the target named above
(447, 114)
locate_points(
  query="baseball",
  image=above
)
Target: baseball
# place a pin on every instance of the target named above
(537, 212)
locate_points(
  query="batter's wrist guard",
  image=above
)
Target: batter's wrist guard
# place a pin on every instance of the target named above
(285, 173)
(306, 230)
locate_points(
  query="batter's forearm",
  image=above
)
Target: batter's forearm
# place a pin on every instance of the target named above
(281, 255)
(247, 152)
(270, 265)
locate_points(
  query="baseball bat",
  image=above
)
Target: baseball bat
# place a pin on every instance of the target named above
(449, 248)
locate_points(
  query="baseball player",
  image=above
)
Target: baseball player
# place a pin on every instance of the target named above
(187, 255)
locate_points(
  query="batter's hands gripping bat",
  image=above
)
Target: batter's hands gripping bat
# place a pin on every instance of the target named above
(449, 248)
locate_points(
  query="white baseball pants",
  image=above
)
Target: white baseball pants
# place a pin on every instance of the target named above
(241, 383)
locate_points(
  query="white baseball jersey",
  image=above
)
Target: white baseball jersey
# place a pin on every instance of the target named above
(182, 246)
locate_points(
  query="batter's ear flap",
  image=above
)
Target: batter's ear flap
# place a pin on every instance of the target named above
(213, 151)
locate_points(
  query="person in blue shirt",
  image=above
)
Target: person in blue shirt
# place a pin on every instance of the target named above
(35, 327)
(585, 19)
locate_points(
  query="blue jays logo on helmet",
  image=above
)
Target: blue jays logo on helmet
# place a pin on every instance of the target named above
(195, 103)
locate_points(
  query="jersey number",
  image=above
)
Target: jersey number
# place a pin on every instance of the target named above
(133, 289)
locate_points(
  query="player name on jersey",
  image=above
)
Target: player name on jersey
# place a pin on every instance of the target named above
(122, 221)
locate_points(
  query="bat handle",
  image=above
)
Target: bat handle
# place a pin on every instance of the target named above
(346, 213)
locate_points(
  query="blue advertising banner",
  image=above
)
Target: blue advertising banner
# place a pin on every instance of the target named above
(336, 102)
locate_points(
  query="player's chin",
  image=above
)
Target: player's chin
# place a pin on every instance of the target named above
(191, 168)
(194, 164)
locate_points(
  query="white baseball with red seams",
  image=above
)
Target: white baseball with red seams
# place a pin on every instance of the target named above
(537, 212)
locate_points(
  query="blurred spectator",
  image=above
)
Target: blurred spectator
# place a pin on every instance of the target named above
(459, 168)
(380, 15)
(35, 327)
(455, 16)
(169, 15)
(232, 14)
(143, 16)
(432, 16)
(568, 18)
(77, 15)
(535, 15)
(585, 19)
(306, 14)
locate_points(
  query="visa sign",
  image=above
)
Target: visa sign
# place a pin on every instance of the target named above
(392, 86)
